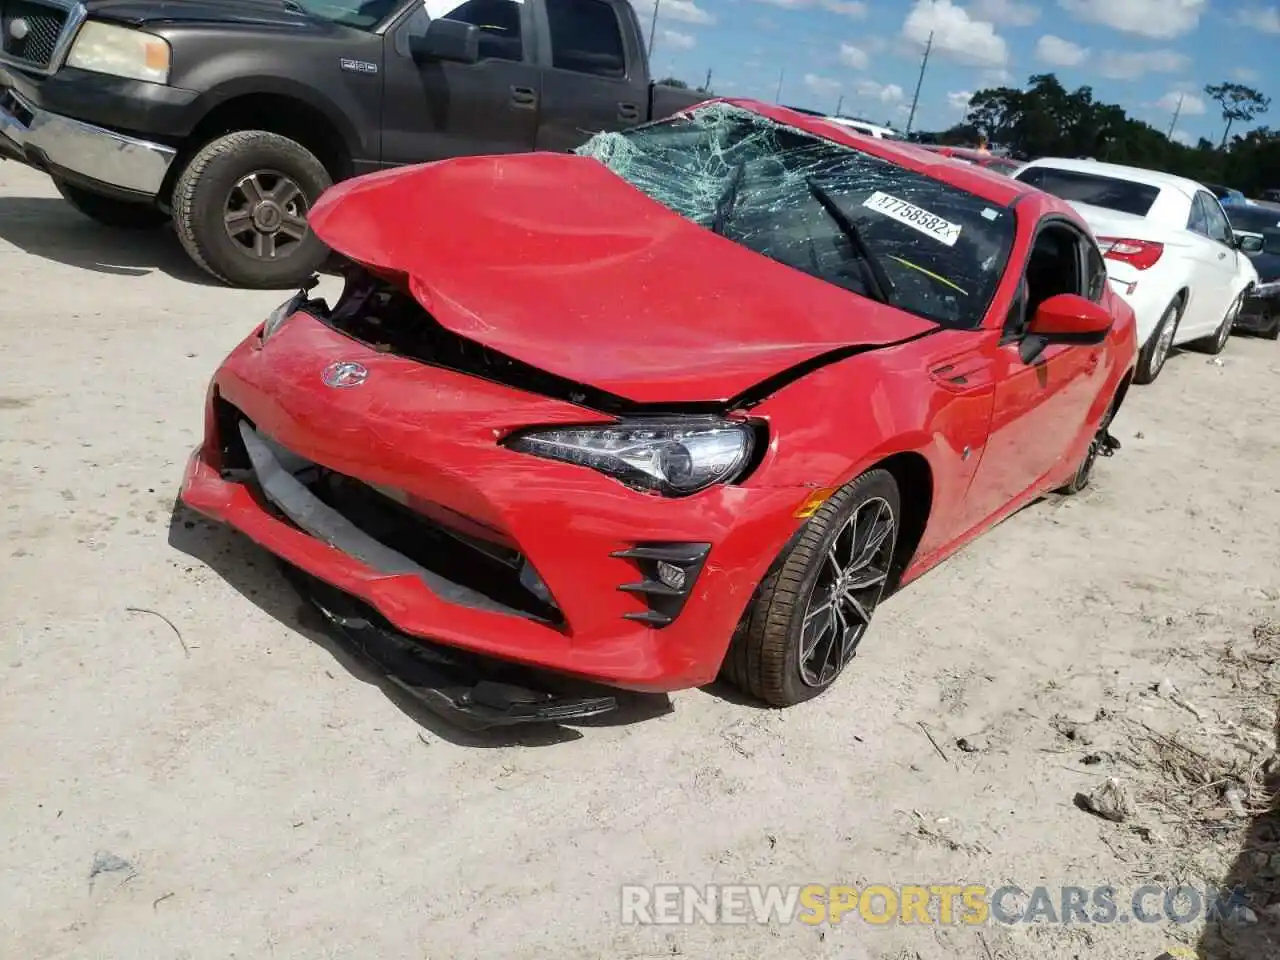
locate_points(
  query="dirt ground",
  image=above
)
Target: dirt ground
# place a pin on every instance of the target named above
(243, 787)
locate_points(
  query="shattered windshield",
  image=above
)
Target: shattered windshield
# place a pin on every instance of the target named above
(834, 212)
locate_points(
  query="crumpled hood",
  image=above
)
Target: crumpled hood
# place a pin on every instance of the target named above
(554, 260)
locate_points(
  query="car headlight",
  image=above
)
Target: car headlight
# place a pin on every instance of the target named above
(277, 317)
(120, 52)
(673, 456)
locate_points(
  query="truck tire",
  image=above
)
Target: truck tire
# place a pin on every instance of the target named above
(110, 212)
(240, 209)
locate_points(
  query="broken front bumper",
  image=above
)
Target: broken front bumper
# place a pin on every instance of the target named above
(587, 606)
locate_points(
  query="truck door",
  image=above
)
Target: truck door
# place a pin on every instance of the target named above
(441, 109)
(595, 77)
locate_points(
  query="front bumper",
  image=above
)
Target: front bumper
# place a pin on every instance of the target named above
(431, 433)
(81, 153)
(1259, 314)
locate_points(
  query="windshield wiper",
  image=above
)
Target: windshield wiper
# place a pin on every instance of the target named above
(878, 283)
(728, 198)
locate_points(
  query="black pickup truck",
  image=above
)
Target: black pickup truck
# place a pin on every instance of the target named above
(230, 117)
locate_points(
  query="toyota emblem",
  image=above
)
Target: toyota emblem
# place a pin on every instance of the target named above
(19, 28)
(345, 373)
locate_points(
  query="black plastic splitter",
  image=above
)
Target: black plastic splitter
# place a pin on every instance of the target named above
(470, 691)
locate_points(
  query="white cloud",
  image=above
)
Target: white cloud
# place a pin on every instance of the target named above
(958, 100)
(855, 9)
(1005, 11)
(1128, 64)
(821, 86)
(1060, 53)
(1192, 106)
(852, 56)
(955, 33)
(681, 41)
(1161, 19)
(1266, 19)
(685, 11)
(1245, 75)
(885, 93)
(995, 78)
(1181, 136)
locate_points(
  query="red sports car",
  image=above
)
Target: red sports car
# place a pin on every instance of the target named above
(687, 402)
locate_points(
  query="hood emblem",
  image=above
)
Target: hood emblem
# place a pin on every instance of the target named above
(345, 373)
(19, 28)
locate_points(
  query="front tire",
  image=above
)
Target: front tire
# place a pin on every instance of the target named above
(1156, 350)
(110, 212)
(1217, 342)
(240, 209)
(806, 620)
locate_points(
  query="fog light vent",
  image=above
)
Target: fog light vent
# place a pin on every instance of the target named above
(669, 571)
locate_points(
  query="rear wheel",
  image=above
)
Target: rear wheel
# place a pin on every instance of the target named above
(1156, 350)
(804, 625)
(110, 212)
(240, 208)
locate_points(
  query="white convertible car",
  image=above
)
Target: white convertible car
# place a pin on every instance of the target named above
(1169, 249)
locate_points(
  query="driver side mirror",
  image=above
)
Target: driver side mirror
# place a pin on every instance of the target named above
(447, 40)
(1247, 243)
(1065, 319)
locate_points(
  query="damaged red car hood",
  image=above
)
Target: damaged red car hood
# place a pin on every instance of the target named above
(554, 260)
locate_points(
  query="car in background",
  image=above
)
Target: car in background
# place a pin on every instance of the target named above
(1228, 196)
(866, 128)
(1169, 246)
(607, 465)
(976, 156)
(1257, 231)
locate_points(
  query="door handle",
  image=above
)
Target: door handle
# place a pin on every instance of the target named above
(524, 97)
(628, 111)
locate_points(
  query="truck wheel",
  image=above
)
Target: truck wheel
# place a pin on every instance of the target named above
(110, 212)
(240, 209)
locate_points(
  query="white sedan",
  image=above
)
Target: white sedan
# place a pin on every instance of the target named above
(1169, 249)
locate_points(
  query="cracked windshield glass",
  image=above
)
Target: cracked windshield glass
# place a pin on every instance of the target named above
(832, 211)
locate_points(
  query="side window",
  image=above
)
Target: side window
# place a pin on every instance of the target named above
(498, 20)
(1095, 273)
(1219, 225)
(1196, 222)
(1052, 268)
(586, 38)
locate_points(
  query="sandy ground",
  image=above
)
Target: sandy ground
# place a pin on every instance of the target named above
(252, 791)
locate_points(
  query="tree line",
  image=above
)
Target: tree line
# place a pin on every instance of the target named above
(1046, 119)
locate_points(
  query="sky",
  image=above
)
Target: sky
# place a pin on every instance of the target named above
(864, 55)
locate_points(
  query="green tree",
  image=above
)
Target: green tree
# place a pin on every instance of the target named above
(1238, 102)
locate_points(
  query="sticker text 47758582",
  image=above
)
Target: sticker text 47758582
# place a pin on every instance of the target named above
(930, 224)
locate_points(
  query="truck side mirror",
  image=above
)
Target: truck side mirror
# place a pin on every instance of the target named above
(447, 40)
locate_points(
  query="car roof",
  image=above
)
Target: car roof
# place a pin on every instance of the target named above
(987, 184)
(1151, 178)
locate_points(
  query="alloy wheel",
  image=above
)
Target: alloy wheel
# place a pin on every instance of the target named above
(266, 215)
(849, 584)
(1165, 340)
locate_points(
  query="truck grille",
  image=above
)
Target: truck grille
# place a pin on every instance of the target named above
(29, 31)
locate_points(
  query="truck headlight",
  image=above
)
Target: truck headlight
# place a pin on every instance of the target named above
(120, 52)
(673, 456)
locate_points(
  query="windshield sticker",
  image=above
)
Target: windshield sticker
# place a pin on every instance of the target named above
(944, 231)
(989, 214)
